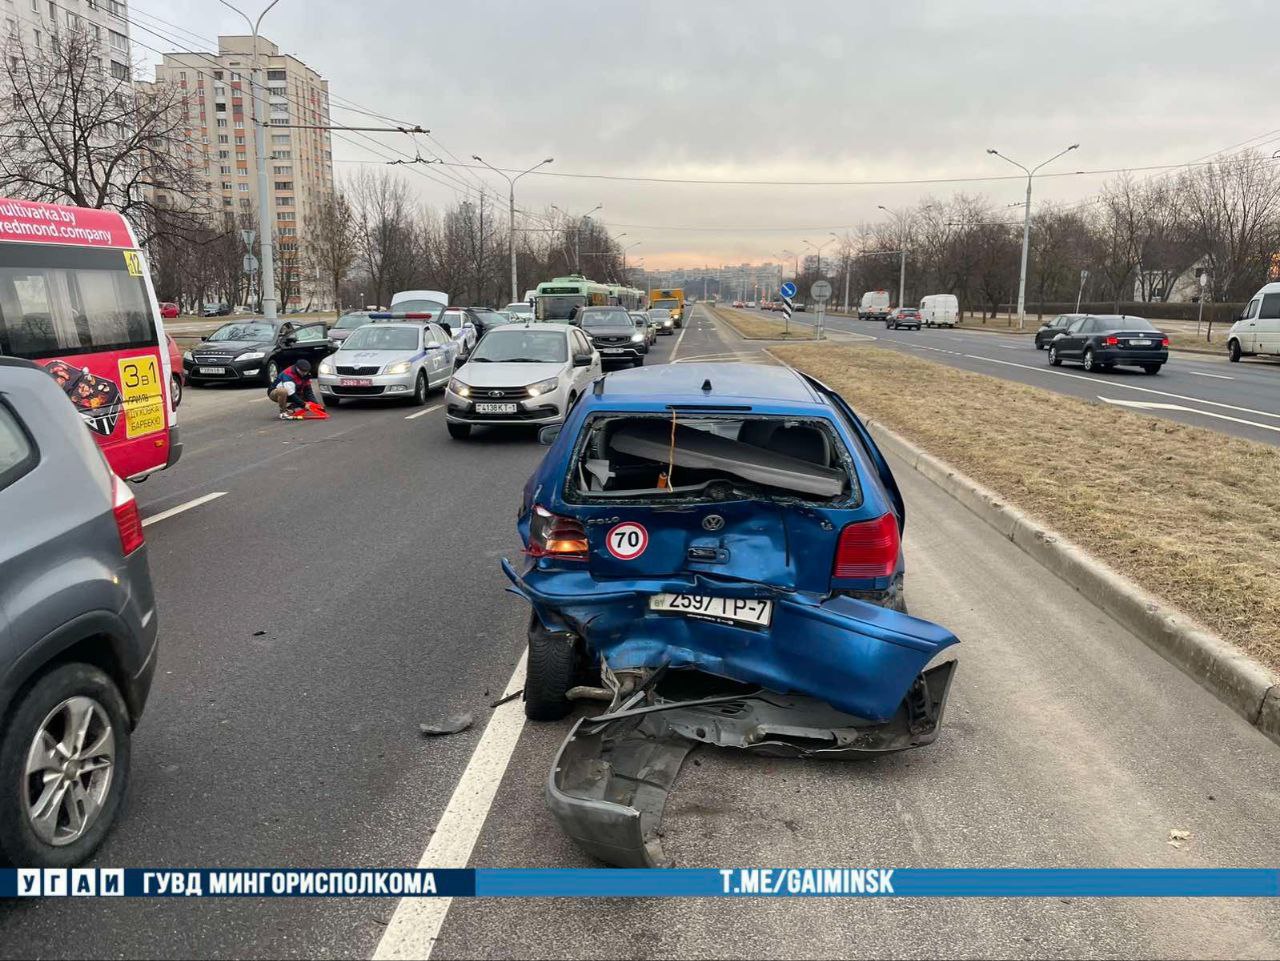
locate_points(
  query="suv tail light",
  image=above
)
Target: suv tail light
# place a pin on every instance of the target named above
(551, 535)
(128, 521)
(868, 548)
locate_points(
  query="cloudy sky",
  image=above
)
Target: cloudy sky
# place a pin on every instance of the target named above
(847, 90)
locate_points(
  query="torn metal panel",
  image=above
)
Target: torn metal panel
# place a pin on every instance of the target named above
(612, 776)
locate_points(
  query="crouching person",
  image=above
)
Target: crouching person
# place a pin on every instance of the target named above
(292, 389)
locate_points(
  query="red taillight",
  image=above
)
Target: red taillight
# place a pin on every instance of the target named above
(1112, 342)
(551, 535)
(128, 521)
(1164, 342)
(868, 548)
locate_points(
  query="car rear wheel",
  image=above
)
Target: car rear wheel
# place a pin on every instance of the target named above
(1152, 368)
(459, 431)
(1233, 351)
(421, 389)
(1087, 361)
(552, 668)
(64, 767)
(175, 389)
(1039, 345)
(1054, 359)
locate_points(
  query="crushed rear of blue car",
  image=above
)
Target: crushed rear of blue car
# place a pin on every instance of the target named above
(715, 551)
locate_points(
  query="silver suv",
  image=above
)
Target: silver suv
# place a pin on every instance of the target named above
(77, 627)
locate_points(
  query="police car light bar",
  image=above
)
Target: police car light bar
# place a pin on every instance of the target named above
(392, 315)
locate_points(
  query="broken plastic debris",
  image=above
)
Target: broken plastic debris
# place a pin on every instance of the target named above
(453, 724)
(1176, 837)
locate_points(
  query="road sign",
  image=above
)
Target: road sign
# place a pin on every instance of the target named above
(788, 289)
(247, 236)
(250, 264)
(820, 291)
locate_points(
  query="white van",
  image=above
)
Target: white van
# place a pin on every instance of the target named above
(1257, 332)
(420, 302)
(874, 305)
(939, 310)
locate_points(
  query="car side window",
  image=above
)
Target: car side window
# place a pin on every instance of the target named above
(1270, 309)
(1252, 310)
(310, 334)
(17, 450)
(582, 345)
(1077, 327)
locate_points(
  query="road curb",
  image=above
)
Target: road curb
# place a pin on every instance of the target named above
(1237, 680)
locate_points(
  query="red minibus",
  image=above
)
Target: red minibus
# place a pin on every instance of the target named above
(76, 298)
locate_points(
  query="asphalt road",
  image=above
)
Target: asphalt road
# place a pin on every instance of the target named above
(365, 550)
(1240, 399)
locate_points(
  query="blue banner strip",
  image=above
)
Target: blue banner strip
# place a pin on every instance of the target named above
(655, 883)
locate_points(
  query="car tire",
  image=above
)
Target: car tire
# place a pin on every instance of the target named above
(459, 431)
(1039, 345)
(638, 362)
(1087, 361)
(1233, 351)
(1151, 368)
(332, 400)
(175, 390)
(421, 389)
(35, 711)
(270, 372)
(551, 672)
(1054, 359)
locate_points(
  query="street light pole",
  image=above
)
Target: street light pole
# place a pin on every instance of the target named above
(847, 265)
(577, 234)
(511, 239)
(1026, 227)
(267, 266)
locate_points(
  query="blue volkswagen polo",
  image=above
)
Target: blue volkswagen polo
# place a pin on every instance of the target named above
(721, 534)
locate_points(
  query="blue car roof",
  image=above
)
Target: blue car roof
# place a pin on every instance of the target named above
(757, 385)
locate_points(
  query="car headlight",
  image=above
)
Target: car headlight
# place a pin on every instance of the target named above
(459, 388)
(667, 322)
(543, 387)
(251, 355)
(399, 367)
(326, 368)
(636, 338)
(186, 355)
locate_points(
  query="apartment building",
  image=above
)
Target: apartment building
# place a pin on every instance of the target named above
(221, 145)
(37, 24)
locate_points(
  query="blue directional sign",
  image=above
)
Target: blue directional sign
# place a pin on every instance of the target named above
(788, 289)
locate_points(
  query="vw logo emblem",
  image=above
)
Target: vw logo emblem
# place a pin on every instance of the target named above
(712, 522)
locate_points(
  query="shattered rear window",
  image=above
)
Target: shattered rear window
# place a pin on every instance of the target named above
(692, 458)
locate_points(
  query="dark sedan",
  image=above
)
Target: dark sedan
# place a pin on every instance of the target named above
(254, 351)
(614, 334)
(903, 317)
(341, 330)
(1114, 340)
(1052, 328)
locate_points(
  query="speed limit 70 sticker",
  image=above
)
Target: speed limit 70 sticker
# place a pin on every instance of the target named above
(627, 541)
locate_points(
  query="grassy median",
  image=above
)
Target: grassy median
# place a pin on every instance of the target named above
(754, 327)
(1190, 514)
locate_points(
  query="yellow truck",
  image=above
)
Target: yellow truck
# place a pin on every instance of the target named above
(671, 299)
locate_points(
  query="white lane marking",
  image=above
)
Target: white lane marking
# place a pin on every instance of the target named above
(1009, 346)
(422, 413)
(679, 340)
(1145, 390)
(1151, 405)
(1201, 373)
(182, 507)
(416, 923)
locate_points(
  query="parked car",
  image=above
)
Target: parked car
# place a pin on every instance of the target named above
(739, 304)
(649, 327)
(486, 319)
(723, 531)
(903, 317)
(391, 360)
(521, 374)
(177, 375)
(78, 627)
(614, 334)
(520, 311)
(168, 310)
(751, 305)
(1111, 340)
(1053, 327)
(661, 318)
(344, 325)
(940, 310)
(461, 325)
(216, 310)
(1257, 329)
(254, 350)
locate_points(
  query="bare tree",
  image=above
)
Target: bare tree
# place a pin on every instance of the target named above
(331, 241)
(74, 134)
(383, 230)
(1232, 209)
